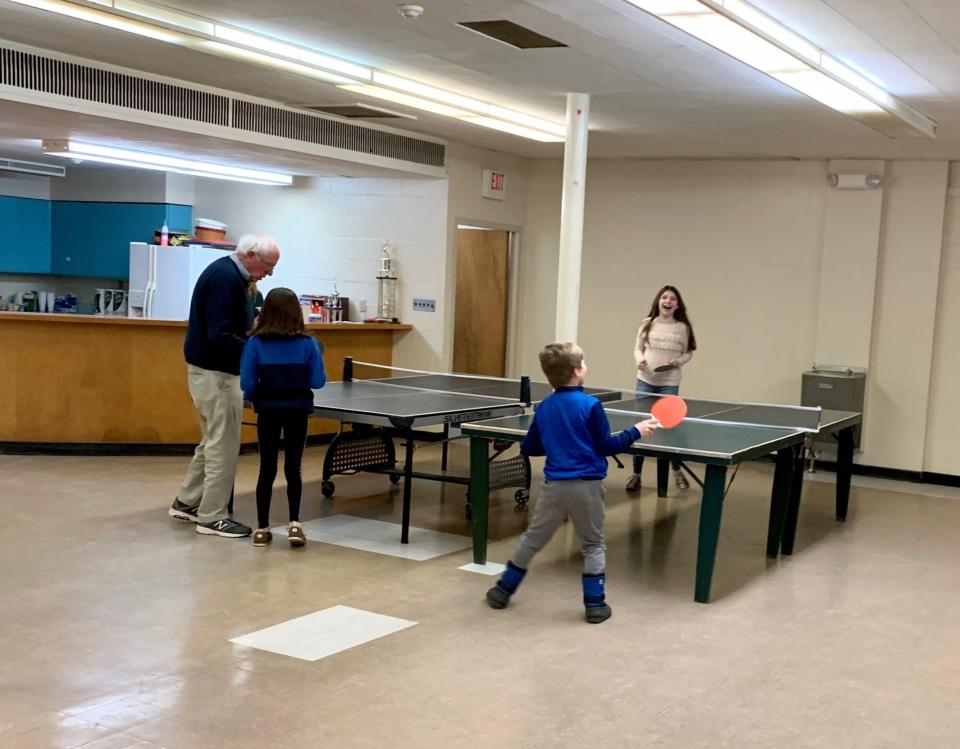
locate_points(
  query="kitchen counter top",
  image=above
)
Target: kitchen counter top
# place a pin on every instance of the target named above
(54, 317)
(116, 383)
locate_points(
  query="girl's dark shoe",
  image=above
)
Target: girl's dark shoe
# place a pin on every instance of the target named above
(295, 535)
(262, 537)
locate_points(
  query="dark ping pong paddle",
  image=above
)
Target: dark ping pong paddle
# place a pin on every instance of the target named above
(664, 367)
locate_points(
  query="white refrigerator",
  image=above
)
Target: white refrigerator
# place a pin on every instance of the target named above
(162, 279)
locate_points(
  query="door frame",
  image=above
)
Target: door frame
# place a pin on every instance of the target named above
(512, 345)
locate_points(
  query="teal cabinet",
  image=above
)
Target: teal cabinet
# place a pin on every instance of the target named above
(25, 235)
(93, 239)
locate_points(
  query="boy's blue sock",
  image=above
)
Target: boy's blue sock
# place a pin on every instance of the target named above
(499, 595)
(594, 598)
(511, 578)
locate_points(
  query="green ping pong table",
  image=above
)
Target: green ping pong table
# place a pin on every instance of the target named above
(718, 434)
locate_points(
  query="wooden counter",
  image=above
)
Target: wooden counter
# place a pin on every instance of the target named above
(117, 380)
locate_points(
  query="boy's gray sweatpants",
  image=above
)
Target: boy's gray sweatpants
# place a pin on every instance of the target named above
(582, 500)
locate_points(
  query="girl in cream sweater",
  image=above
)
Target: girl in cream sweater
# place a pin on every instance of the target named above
(665, 341)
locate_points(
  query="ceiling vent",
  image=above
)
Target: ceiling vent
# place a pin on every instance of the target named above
(510, 33)
(359, 111)
(32, 167)
(82, 81)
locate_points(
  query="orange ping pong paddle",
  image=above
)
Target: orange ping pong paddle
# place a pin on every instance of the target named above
(669, 411)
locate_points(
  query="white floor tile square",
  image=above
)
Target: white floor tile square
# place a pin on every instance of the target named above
(322, 633)
(490, 568)
(380, 537)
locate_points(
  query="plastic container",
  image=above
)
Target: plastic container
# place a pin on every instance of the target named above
(208, 230)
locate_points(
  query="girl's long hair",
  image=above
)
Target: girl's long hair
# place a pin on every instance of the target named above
(680, 314)
(280, 315)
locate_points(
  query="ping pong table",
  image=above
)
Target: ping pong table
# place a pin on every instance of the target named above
(381, 409)
(717, 434)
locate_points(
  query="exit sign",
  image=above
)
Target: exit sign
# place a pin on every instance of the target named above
(494, 184)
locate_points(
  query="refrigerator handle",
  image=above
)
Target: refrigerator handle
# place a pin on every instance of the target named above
(151, 285)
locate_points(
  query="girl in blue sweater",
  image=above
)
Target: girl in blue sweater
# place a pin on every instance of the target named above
(281, 365)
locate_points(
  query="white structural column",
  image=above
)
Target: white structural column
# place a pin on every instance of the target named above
(571, 217)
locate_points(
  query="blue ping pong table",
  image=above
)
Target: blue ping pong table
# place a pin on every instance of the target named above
(717, 434)
(379, 410)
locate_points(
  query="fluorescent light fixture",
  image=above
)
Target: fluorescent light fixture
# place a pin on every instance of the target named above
(430, 92)
(670, 7)
(534, 123)
(856, 81)
(256, 41)
(102, 18)
(399, 97)
(827, 91)
(730, 37)
(208, 36)
(163, 15)
(509, 127)
(108, 155)
(746, 34)
(333, 63)
(754, 19)
(259, 58)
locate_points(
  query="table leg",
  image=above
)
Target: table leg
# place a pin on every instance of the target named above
(844, 470)
(443, 449)
(711, 509)
(479, 496)
(779, 499)
(793, 508)
(407, 486)
(663, 476)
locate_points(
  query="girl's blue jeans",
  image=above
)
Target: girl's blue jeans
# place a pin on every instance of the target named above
(645, 388)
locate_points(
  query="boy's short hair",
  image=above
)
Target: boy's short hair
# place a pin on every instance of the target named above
(558, 360)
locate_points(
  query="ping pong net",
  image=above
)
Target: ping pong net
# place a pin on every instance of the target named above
(800, 418)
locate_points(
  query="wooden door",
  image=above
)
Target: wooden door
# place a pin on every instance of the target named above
(480, 308)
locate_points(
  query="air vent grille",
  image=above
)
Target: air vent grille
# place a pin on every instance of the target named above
(32, 167)
(35, 72)
(52, 76)
(285, 123)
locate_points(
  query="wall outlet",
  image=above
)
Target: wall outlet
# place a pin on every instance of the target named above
(424, 305)
(362, 306)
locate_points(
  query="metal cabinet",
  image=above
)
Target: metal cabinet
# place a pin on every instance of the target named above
(836, 388)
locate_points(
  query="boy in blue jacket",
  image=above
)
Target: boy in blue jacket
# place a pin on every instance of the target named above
(571, 429)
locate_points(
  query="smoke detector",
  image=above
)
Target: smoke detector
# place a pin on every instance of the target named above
(408, 10)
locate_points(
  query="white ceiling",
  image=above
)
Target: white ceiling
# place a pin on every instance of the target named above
(655, 92)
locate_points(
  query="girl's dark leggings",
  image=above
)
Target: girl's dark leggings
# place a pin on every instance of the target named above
(270, 424)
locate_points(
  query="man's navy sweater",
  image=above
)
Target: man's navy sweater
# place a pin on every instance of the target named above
(572, 430)
(220, 317)
(279, 373)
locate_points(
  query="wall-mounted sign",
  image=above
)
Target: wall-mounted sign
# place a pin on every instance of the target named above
(494, 184)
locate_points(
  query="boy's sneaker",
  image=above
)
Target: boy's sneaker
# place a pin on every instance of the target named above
(633, 483)
(681, 480)
(182, 511)
(262, 537)
(226, 527)
(597, 614)
(295, 535)
(497, 599)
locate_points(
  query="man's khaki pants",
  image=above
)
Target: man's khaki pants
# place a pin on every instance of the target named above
(219, 403)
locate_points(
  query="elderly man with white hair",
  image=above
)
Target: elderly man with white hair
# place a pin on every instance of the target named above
(220, 316)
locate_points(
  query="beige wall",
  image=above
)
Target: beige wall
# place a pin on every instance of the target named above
(942, 440)
(905, 314)
(740, 240)
(778, 270)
